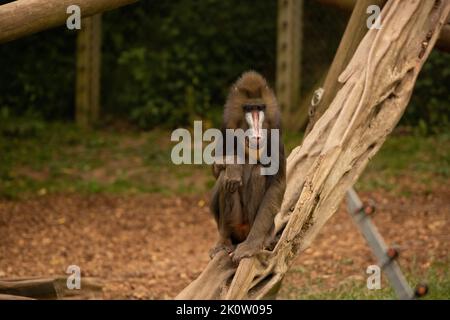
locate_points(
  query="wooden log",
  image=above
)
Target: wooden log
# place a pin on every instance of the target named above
(48, 288)
(377, 85)
(25, 17)
(36, 288)
(11, 297)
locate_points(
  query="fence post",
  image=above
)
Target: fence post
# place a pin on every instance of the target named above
(289, 39)
(87, 97)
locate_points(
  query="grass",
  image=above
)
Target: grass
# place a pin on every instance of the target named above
(425, 161)
(437, 278)
(59, 157)
(62, 158)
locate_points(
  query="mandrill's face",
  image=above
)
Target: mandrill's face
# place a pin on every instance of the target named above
(254, 117)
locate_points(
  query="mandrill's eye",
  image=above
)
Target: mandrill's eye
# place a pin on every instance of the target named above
(261, 107)
(247, 108)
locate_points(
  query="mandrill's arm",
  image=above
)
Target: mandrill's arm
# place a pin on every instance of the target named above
(216, 169)
(233, 172)
(264, 219)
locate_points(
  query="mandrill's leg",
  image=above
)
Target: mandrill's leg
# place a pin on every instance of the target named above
(229, 212)
(263, 221)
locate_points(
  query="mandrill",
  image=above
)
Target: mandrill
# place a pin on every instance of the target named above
(246, 195)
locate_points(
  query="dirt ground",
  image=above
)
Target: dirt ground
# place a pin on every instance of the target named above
(149, 246)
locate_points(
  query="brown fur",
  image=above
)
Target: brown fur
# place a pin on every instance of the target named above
(244, 202)
(250, 85)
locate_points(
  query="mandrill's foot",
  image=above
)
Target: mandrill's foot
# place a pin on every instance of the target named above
(220, 247)
(245, 250)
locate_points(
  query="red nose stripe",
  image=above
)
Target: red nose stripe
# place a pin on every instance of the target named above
(255, 116)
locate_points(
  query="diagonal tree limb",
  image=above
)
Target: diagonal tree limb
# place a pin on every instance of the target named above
(354, 32)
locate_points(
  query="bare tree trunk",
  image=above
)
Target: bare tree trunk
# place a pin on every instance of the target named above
(377, 86)
(354, 33)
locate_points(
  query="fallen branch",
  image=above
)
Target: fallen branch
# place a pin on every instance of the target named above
(47, 288)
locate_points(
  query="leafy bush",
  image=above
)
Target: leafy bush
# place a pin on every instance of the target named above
(27, 125)
(38, 75)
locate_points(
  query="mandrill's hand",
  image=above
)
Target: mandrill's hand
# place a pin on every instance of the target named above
(233, 177)
(245, 249)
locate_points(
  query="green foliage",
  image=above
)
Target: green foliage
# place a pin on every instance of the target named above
(323, 27)
(59, 157)
(38, 75)
(429, 110)
(425, 160)
(177, 63)
(27, 125)
(436, 277)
